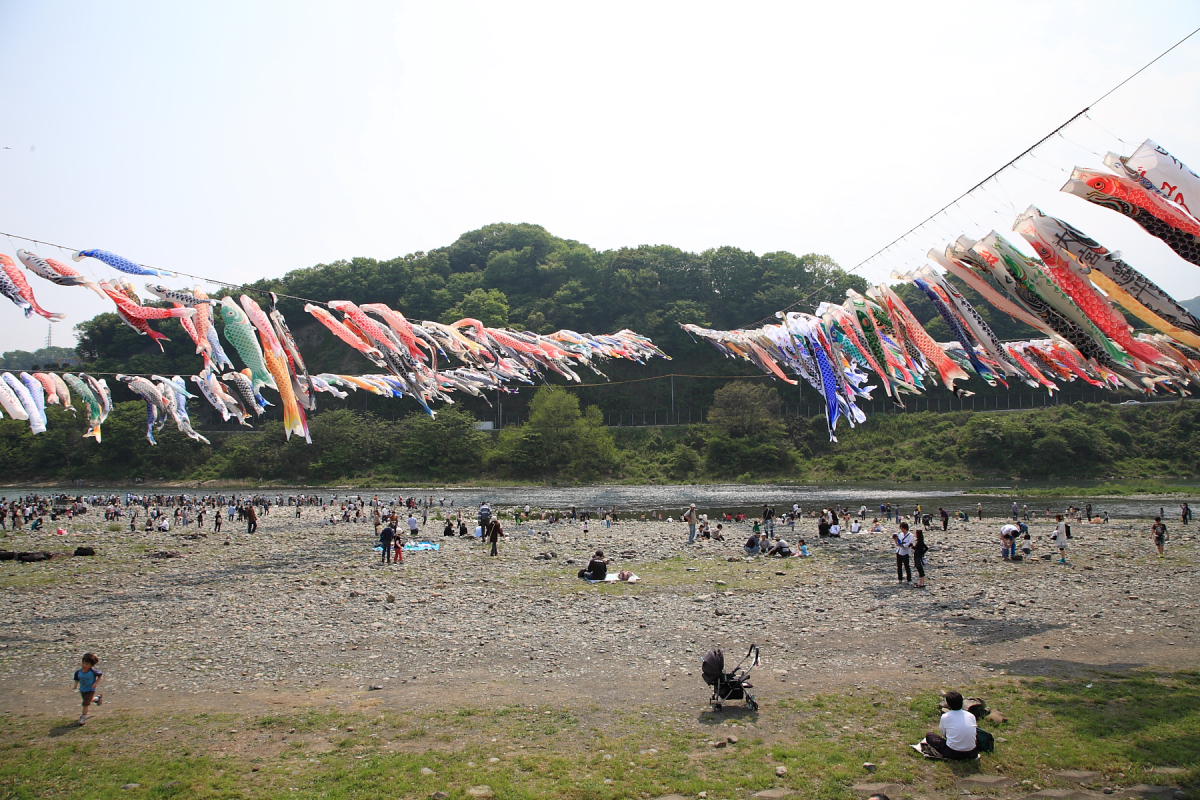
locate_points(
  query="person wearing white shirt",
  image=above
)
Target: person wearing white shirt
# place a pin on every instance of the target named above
(1062, 532)
(904, 542)
(1008, 540)
(958, 732)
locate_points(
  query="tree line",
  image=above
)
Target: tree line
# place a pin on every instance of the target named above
(744, 438)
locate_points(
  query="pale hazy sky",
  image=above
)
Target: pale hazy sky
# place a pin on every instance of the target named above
(244, 139)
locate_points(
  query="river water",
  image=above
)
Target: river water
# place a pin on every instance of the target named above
(709, 498)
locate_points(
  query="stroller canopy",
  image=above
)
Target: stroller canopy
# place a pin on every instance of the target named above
(713, 667)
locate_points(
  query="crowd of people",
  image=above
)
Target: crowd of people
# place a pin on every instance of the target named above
(908, 540)
(771, 534)
(400, 520)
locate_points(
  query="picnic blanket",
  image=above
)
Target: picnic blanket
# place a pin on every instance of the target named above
(612, 578)
(424, 544)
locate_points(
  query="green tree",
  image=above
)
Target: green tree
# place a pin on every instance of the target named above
(560, 441)
(743, 408)
(489, 306)
(441, 447)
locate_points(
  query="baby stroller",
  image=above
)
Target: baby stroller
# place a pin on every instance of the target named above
(729, 685)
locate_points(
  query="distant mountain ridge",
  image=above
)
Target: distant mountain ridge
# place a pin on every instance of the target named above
(1192, 305)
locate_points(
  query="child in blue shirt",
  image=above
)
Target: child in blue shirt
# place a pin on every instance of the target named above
(87, 680)
(803, 549)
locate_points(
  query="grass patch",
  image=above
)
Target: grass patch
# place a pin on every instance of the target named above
(685, 575)
(1121, 725)
(31, 576)
(1109, 489)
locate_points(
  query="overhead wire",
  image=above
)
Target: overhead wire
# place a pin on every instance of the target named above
(1027, 151)
(204, 278)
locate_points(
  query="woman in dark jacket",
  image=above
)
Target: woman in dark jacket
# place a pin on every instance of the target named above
(919, 551)
(597, 568)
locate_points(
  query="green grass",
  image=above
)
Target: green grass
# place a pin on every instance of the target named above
(684, 576)
(1113, 489)
(1122, 725)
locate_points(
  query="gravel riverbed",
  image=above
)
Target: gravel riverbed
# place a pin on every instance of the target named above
(305, 609)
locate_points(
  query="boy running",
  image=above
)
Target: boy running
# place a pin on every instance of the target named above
(87, 680)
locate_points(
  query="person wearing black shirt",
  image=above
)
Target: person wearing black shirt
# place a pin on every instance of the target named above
(492, 533)
(385, 541)
(597, 568)
(919, 551)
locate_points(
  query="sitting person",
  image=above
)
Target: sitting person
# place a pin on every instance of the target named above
(597, 568)
(877, 526)
(957, 736)
(856, 527)
(804, 550)
(752, 547)
(780, 549)
(449, 529)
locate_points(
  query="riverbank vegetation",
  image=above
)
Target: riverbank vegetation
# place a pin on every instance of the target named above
(1129, 449)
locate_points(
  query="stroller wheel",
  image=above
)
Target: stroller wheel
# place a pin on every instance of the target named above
(752, 704)
(716, 706)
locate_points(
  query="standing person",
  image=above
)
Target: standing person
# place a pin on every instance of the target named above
(386, 536)
(945, 515)
(919, 551)
(1185, 513)
(414, 527)
(217, 521)
(1087, 512)
(492, 533)
(904, 542)
(1016, 511)
(979, 510)
(251, 519)
(87, 681)
(1062, 532)
(691, 517)
(1159, 531)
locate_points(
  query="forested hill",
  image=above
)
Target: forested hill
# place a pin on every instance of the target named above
(522, 276)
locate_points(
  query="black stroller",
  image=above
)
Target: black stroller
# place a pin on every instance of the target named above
(729, 685)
